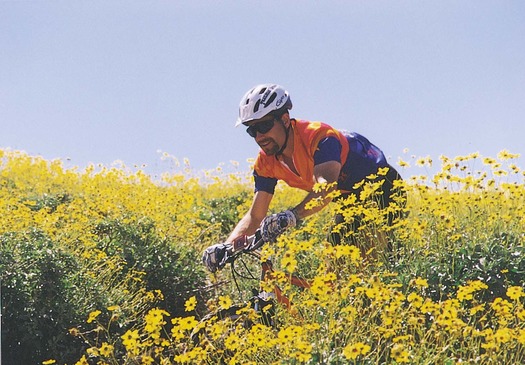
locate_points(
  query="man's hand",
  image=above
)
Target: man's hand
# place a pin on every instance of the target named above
(274, 225)
(214, 257)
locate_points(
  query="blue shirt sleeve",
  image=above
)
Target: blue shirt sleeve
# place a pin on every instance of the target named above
(262, 183)
(328, 149)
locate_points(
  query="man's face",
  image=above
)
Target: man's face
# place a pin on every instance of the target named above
(269, 133)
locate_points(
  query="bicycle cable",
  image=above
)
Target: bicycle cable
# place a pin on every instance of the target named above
(236, 273)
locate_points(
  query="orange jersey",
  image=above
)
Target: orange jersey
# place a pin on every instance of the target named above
(307, 136)
(358, 158)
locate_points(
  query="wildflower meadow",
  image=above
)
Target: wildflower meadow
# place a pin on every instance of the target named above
(103, 266)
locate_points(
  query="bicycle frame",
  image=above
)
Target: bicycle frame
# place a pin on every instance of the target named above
(267, 270)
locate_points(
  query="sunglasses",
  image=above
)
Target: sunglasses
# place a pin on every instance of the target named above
(261, 127)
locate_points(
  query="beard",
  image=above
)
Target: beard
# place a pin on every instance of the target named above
(269, 146)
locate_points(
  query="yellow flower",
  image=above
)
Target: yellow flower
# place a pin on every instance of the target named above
(467, 292)
(106, 349)
(489, 161)
(521, 315)
(49, 362)
(506, 155)
(501, 306)
(232, 342)
(288, 262)
(382, 171)
(348, 250)
(302, 357)
(352, 351)
(225, 302)
(258, 336)
(289, 334)
(147, 360)
(130, 340)
(93, 352)
(429, 307)
(521, 336)
(155, 320)
(185, 323)
(515, 292)
(93, 315)
(422, 161)
(415, 300)
(421, 282)
(399, 354)
(190, 304)
(196, 355)
(477, 309)
(402, 163)
(503, 335)
(82, 361)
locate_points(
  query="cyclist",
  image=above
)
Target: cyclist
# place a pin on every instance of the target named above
(301, 153)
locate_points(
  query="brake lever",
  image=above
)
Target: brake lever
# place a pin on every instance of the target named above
(246, 243)
(257, 241)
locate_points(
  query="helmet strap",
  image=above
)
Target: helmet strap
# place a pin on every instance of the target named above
(287, 131)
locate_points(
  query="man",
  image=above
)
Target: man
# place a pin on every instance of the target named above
(302, 154)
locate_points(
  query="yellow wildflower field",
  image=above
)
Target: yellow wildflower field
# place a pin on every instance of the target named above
(119, 253)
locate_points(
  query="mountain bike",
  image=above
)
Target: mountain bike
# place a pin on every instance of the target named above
(262, 303)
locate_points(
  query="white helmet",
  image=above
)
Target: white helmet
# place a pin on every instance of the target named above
(262, 100)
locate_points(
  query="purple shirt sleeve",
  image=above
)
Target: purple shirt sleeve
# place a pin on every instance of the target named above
(328, 149)
(266, 184)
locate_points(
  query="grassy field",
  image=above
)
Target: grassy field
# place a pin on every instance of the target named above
(102, 266)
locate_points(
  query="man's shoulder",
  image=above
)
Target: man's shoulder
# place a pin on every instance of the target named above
(313, 127)
(311, 124)
(312, 132)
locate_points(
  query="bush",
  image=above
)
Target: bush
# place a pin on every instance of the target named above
(38, 300)
(499, 263)
(224, 211)
(171, 268)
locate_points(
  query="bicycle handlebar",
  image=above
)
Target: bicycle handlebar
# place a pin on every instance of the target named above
(244, 244)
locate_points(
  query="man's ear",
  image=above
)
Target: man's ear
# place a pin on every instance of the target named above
(286, 119)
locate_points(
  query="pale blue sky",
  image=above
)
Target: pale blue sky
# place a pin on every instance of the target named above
(99, 81)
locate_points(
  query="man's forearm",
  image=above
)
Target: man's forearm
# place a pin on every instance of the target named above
(313, 203)
(247, 225)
